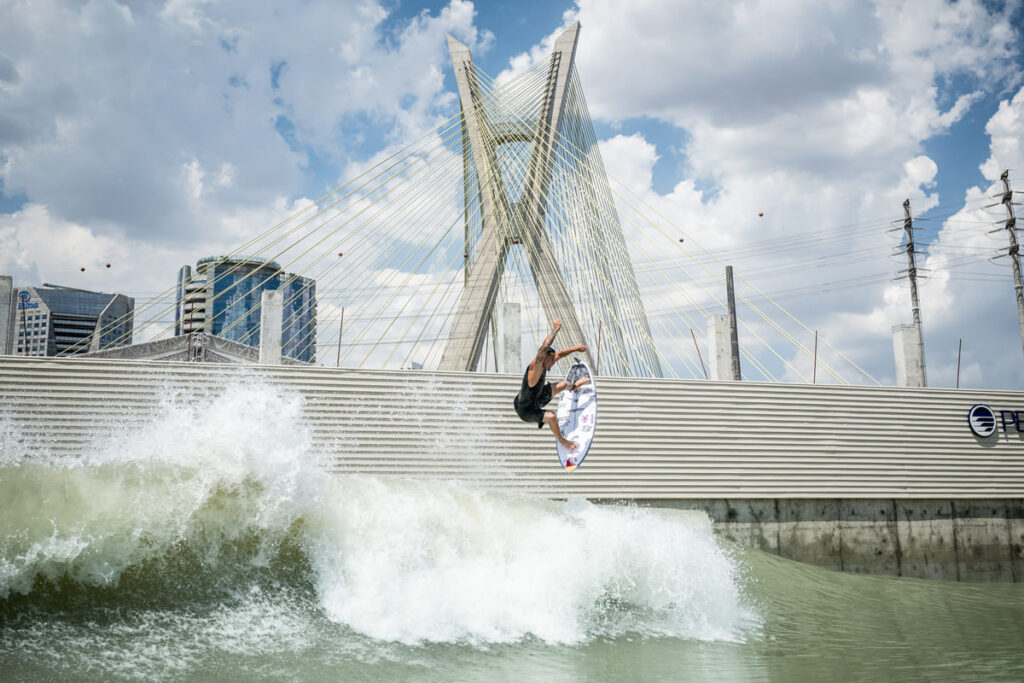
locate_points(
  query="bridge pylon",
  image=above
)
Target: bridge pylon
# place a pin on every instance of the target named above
(507, 221)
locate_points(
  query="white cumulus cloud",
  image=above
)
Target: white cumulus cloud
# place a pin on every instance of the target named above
(803, 127)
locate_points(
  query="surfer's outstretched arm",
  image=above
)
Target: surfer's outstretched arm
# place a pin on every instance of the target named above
(579, 348)
(552, 421)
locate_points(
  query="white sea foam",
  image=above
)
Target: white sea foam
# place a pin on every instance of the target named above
(395, 560)
(199, 474)
(425, 561)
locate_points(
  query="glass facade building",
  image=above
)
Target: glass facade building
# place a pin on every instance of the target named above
(51, 320)
(298, 320)
(222, 297)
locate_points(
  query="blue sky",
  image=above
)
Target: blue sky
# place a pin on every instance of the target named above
(153, 134)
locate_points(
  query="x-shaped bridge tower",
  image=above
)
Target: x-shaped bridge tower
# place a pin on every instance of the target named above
(507, 222)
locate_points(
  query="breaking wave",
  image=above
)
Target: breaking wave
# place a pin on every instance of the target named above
(222, 510)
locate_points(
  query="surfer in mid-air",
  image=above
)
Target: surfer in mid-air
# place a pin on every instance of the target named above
(535, 393)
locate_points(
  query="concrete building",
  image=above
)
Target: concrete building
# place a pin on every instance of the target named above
(221, 298)
(50, 319)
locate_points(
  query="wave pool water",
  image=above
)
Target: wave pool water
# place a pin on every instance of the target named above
(211, 544)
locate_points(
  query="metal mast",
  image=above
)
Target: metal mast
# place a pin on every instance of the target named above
(912, 272)
(1013, 250)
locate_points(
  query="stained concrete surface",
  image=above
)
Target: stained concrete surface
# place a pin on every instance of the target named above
(947, 540)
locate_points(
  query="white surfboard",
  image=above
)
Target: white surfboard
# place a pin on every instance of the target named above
(577, 416)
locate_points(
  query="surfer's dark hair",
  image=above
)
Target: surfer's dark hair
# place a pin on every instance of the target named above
(548, 350)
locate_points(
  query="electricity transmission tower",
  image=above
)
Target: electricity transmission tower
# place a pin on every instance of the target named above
(1013, 251)
(911, 273)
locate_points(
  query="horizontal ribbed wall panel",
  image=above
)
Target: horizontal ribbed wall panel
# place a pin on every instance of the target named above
(656, 439)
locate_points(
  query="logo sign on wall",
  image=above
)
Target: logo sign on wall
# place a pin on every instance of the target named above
(982, 420)
(25, 303)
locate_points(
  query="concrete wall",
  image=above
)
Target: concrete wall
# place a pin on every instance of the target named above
(202, 347)
(948, 540)
(271, 313)
(909, 356)
(510, 337)
(656, 439)
(719, 348)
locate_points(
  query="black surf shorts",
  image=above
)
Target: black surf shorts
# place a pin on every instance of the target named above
(533, 411)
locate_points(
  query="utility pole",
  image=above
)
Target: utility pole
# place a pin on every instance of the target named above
(1013, 249)
(341, 328)
(734, 340)
(915, 305)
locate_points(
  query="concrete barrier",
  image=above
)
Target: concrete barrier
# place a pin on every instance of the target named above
(947, 540)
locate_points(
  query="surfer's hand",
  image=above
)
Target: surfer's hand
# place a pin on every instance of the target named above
(581, 348)
(557, 324)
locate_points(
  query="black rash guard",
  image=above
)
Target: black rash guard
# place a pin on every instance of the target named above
(530, 401)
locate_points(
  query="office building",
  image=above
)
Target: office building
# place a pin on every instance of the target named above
(221, 297)
(52, 320)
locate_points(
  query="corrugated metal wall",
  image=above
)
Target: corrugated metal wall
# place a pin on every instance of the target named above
(656, 439)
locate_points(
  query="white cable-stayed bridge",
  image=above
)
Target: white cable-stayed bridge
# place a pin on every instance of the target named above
(502, 218)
